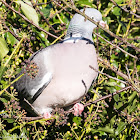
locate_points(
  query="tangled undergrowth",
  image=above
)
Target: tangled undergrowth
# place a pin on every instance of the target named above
(112, 104)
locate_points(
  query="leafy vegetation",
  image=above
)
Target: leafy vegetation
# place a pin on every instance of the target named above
(26, 26)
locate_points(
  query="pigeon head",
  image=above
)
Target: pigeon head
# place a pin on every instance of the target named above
(81, 27)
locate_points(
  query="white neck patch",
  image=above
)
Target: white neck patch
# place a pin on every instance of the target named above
(74, 39)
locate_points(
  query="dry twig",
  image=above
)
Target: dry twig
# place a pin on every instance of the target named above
(26, 19)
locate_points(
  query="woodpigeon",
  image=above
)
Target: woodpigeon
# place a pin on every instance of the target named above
(59, 75)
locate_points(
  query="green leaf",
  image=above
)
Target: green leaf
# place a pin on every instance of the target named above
(138, 67)
(11, 39)
(116, 11)
(77, 120)
(119, 1)
(3, 100)
(9, 120)
(86, 3)
(8, 136)
(28, 10)
(120, 128)
(106, 129)
(3, 48)
(116, 98)
(118, 104)
(131, 98)
(46, 11)
(133, 107)
(2, 69)
(115, 64)
(110, 83)
(65, 20)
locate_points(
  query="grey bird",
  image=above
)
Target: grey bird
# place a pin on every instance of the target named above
(61, 75)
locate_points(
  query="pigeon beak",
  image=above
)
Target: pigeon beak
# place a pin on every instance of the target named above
(103, 24)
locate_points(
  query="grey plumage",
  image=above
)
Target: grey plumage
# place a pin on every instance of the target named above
(63, 74)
